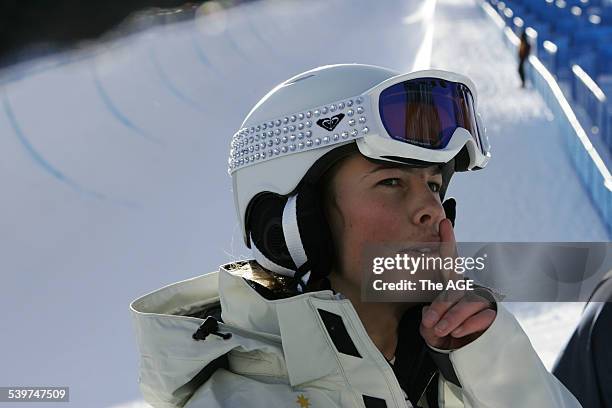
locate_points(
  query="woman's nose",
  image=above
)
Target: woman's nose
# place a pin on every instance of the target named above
(429, 212)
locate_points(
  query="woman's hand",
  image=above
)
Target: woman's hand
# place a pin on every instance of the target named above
(454, 318)
(451, 321)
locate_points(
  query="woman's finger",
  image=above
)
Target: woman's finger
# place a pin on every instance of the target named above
(448, 247)
(476, 323)
(441, 304)
(457, 315)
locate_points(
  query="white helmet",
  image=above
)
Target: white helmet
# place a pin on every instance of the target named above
(305, 124)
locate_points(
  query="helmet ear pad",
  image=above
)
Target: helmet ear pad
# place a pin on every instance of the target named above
(265, 224)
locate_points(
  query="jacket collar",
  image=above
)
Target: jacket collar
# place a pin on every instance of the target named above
(294, 319)
(169, 357)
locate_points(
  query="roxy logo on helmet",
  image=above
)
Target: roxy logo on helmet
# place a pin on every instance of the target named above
(330, 123)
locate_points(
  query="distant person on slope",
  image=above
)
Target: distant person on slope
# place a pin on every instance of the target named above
(524, 50)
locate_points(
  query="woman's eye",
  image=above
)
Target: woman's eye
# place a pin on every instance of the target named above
(390, 182)
(435, 187)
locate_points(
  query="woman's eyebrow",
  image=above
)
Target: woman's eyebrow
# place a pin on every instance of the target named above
(432, 170)
(435, 170)
(383, 167)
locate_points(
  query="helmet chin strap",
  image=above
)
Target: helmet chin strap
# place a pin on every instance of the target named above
(294, 243)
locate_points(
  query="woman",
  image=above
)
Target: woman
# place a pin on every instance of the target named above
(328, 164)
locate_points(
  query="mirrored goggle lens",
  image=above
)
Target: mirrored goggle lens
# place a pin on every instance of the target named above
(426, 111)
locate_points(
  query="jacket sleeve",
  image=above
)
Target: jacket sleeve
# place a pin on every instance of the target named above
(501, 369)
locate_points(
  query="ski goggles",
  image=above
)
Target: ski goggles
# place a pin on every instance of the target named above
(426, 116)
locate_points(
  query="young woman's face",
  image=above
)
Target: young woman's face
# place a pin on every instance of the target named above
(371, 203)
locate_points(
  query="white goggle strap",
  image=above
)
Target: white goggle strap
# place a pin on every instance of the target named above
(267, 263)
(293, 239)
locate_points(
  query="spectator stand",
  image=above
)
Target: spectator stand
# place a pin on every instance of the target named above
(571, 67)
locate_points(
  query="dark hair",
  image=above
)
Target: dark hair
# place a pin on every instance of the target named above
(327, 199)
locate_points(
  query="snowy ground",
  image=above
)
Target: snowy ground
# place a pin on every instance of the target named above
(113, 168)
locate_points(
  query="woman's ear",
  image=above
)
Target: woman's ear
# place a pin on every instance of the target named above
(450, 208)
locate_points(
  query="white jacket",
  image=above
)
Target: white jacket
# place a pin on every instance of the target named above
(285, 353)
